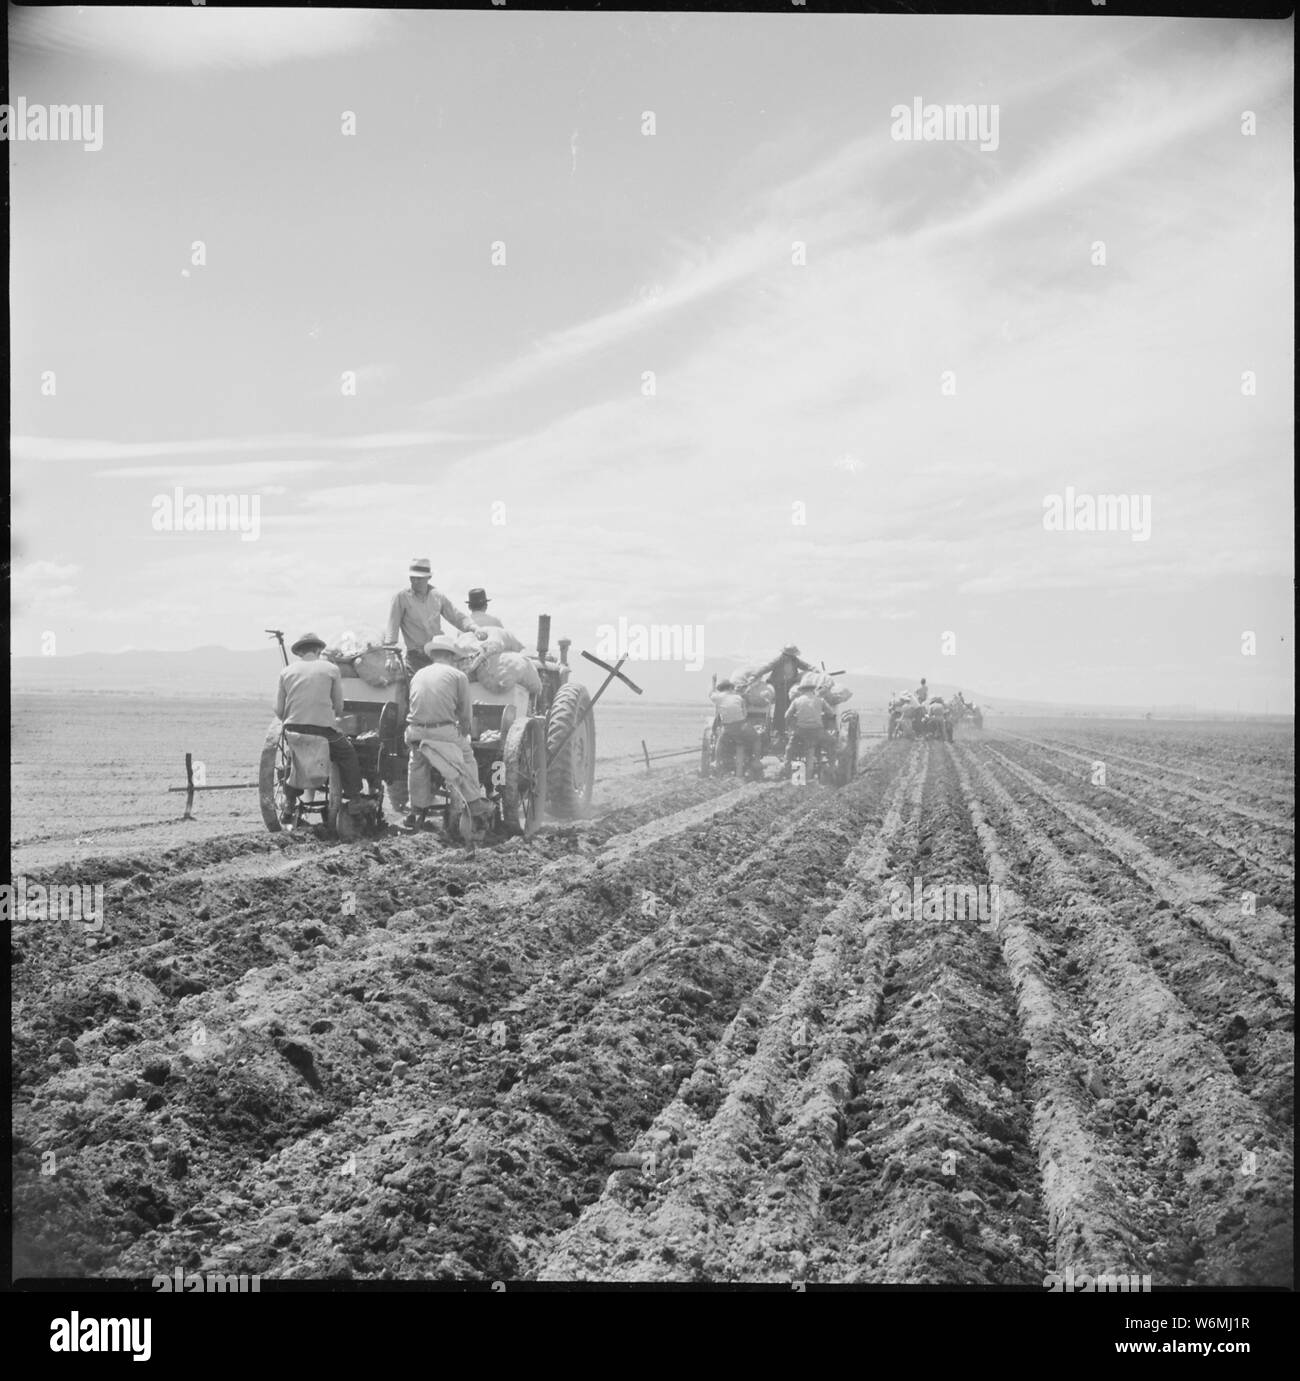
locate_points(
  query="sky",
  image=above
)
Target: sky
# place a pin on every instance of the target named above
(767, 372)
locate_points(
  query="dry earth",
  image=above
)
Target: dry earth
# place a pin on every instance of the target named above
(694, 1038)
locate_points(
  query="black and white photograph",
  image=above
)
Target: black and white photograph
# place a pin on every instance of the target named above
(651, 650)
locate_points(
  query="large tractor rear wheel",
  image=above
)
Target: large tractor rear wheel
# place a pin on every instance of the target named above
(523, 790)
(571, 774)
(272, 773)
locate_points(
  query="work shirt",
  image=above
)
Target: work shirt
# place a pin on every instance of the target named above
(309, 693)
(731, 706)
(484, 619)
(440, 695)
(920, 695)
(419, 619)
(806, 712)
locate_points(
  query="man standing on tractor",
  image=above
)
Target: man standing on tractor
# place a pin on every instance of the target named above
(737, 731)
(438, 734)
(922, 692)
(805, 722)
(308, 696)
(782, 673)
(417, 614)
(478, 603)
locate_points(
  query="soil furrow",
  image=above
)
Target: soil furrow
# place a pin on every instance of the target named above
(1193, 894)
(1213, 1197)
(741, 1204)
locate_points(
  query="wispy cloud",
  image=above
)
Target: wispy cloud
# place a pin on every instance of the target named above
(246, 473)
(55, 448)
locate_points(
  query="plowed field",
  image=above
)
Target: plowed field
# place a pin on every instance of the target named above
(705, 1036)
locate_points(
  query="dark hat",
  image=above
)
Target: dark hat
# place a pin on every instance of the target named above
(477, 596)
(307, 640)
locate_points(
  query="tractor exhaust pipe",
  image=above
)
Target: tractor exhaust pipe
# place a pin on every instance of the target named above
(543, 636)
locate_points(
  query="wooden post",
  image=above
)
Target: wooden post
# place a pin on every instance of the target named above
(189, 787)
(646, 752)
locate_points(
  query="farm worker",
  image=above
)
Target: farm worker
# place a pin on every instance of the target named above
(736, 728)
(307, 698)
(478, 603)
(922, 693)
(782, 672)
(417, 614)
(805, 721)
(438, 733)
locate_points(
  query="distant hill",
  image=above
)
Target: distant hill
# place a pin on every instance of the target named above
(219, 671)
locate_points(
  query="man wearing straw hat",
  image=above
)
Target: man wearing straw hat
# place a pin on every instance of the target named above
(438, 735)
(308, 697)
(417, 614)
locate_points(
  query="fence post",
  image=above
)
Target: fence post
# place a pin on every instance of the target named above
(189, 784)
(646, 752)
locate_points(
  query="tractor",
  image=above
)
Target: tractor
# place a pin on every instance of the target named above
(717, 759)
(535, 751)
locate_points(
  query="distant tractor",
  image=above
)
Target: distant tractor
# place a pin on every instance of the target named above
(535, 751)
(718, 758)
